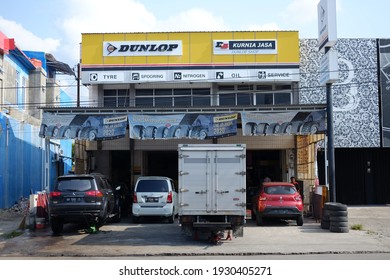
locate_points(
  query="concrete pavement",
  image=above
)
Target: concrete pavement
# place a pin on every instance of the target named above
(127, 239)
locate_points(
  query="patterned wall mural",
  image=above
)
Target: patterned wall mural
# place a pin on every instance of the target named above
(355, 96)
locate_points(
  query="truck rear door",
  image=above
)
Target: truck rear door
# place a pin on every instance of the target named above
(212, 180)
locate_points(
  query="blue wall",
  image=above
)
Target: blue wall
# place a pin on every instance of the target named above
(21, 161)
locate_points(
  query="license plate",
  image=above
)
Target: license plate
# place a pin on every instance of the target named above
(73, 199)
(152, 199)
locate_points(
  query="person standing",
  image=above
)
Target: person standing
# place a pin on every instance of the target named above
(296, 184)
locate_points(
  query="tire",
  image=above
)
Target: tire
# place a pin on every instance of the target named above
(57, 225)
(325, 224)
(338, 219)
(325, 215)
(171, 219)
(203, 134)
(43, 131)
(300, 221)
(135, 219)
(92, 135)
(339, 229)
(339, 213)
(259, 220)
(253, 216)
(102, 219)
(335, 206)
(262, 128)
(118, 216)
(150, 132)
(338, 224)
(250, 129)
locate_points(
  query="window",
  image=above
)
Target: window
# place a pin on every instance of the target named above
(201, 97)
(163, 97)
(144, 98)
(116, 98)
(184, 97)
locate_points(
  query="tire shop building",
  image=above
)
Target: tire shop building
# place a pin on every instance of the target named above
(149, 92)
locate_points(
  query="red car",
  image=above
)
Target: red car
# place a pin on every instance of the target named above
(279, 200)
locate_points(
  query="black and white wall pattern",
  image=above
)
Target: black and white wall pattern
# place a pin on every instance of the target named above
(355, 96)
(384, 57)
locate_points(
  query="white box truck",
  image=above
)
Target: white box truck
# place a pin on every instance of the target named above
(212, 190)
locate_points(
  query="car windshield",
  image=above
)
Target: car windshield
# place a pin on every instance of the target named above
(152, 186)
(80, 185)
(279, 190)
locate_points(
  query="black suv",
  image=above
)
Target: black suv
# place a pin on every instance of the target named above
(88, 199)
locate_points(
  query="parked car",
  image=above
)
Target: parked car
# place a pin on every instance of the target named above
(88, 199)
(154, 196)
(277, 200)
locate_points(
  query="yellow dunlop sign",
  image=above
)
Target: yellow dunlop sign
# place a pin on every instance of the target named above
(225, 118)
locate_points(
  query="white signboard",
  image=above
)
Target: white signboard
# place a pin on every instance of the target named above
(142, 48)
(149, 76)
(277, 74)
(231, 75)
(245, 46)
(329, 68)
(187, 75)
(327, 27)
(106, 77)
(193, 75)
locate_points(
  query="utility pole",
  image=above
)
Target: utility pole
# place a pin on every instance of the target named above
(330, 142)
(78, 84)
(327, 37)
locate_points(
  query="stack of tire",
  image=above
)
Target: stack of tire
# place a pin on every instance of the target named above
(335, 217)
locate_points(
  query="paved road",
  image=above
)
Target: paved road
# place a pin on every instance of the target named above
(156, 238)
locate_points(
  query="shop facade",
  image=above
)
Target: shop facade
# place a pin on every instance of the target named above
(150, 92)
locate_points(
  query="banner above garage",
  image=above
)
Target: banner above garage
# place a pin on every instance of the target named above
(180, 126)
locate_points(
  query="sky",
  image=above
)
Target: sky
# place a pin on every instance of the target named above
(55, 26)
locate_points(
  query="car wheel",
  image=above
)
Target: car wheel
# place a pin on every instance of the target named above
(300, 221)
(92, 134)
(259, 220)
(253, 216)
(57, 225)
(118, 216)
(103, 218)
(135, 219)
(171, 218)
(203, 134)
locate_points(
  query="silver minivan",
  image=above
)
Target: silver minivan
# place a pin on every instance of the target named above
(154, 196)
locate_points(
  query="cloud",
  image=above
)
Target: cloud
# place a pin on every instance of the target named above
(98, 17)
(301, 11)
(26, 40)
(264, 27)
(193, 20)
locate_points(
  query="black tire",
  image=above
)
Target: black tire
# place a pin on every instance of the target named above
(300, 221)
(325, 224)
(118, 217)
(325, 214)
(253, 216)
(338, 224)
(57, 225)
(103, 218)
(135, 219)
(339, 213)
(171, 219)
(259, 220)
(339, 229)
(335, 206)
(339, 218)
